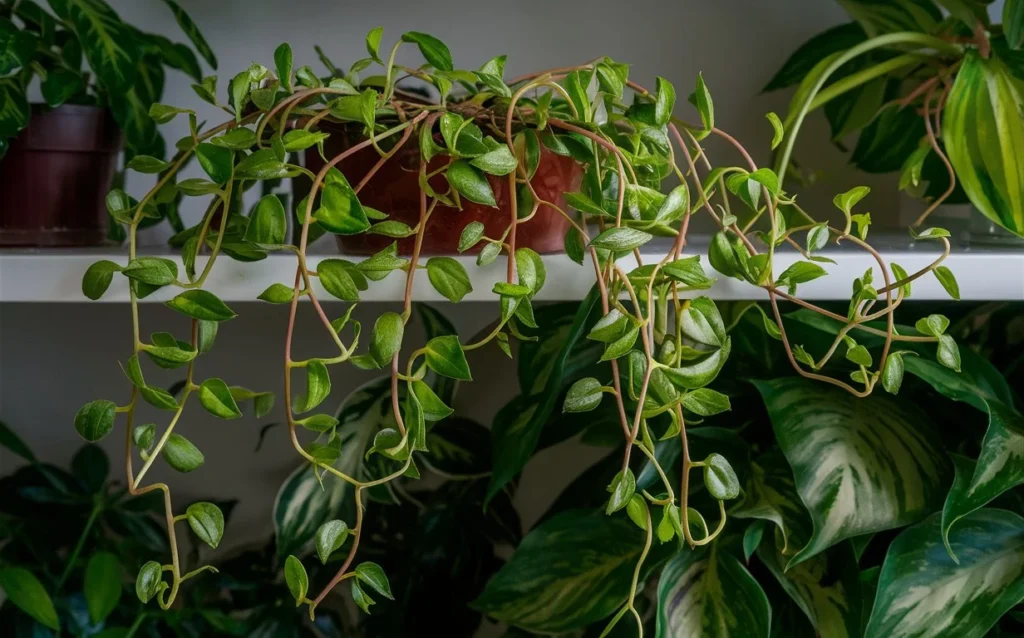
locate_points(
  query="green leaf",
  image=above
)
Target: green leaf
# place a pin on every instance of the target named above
(12, 442)
(810, 53)
(155, 271)
(341, 279)
(707, 593)
(98, 277)
(433, 50)
(109, 44)
(859, 355)
(514, 291)
(192, 31)
(299, 140)
(196, 186)
(201, 304)
(340, 211)
(1013, 23)
(360, 598)
(779, 133)
(215, 396)
(386, 339)
(277, 294)
(488, 254)
(930, 233)
(500, 161)
(471, 235)
(159, 398)
(621, 239)
(799, 273)
(147, 583)
(471, 183)
(318, 386)
(948, 281)
(382, 263)
(948, 353)
(720, 478)
(147, 165)
(998, 469)
(637, 511)
(283, 64)
(665, 101)
(95, 420)
(921, 589)
(318, 422)
(268, 223)
(706, 402)
(391, 228)
(373, 575)
(216, 161)
(373, 42)
(449, 278)
(444, 355)
(295, 577)
(330, 537)
(181, 454)
(824, 433)
(570, 571)
(622, 488)
(207, 521)
(892, 373)
(846, 201)
(143, 435)
(102, 585)
(26, 593)
(583, 396)
(932, 325)
(705, 106)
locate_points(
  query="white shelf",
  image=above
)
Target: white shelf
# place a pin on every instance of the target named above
(53, 275)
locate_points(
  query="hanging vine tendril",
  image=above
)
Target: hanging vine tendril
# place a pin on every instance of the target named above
(624, 151)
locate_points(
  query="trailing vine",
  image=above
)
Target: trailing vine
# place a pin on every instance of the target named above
(492, 130)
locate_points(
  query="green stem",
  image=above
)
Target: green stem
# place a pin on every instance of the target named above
(920, 39)
(73, 558)
(851, 82)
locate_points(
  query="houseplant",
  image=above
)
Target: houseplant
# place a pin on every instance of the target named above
(74, 137)
(938, 98)
(70, 540)
(625, 151)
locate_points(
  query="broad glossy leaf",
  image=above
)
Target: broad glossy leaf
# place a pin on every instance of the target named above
(704, 593)
(373, 575)
(181, 454)
(98, 277)
(621, 239)
(572, 570)
(95, 420)
(215, 396)
(26, 593)
(296, 579)
(999, 467)
(201, 304)
(207, 521)
(147, 583)
(922, 591)
(102, 585)
(449, 277)
(813, 51)
(108, 43)
(444, 355)
(861, 465)
(470, 182)
(268, 223)
(330, 537)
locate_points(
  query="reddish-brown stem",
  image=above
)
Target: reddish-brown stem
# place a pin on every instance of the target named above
(942, 156)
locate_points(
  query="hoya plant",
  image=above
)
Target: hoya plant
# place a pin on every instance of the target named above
(931, 88)
(83, 53)
(654, 343)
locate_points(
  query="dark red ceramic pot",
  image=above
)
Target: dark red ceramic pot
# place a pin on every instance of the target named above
(395, 190)
(55, 177)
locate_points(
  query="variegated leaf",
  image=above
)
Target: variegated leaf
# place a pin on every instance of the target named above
(826, 588)
(108, 43)
(983, 131)
(575, 569)
(999, 468)
(860, 465)
(923, 592)
(707, 592)
(771, 495)
(304, 501)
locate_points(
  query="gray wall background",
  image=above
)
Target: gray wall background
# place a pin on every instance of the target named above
(54, 358)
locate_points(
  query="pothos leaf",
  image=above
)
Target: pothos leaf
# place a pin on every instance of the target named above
(861, 465)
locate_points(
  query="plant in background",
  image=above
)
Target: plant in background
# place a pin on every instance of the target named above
(936, 98)
(125, 66)
(641, 335)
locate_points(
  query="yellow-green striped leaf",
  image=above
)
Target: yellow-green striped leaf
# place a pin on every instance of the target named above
(860, 465)
(709, 593)
(573, 570)
(109, 44)
(983, 131)
(923, 592)
(1000, 467)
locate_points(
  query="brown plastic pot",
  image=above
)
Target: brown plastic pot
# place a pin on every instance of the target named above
(395, 190)
(55, 177)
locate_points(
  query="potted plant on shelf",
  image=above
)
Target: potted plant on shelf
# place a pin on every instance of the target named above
(939, 98)
(65, 149)
(644, 336)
